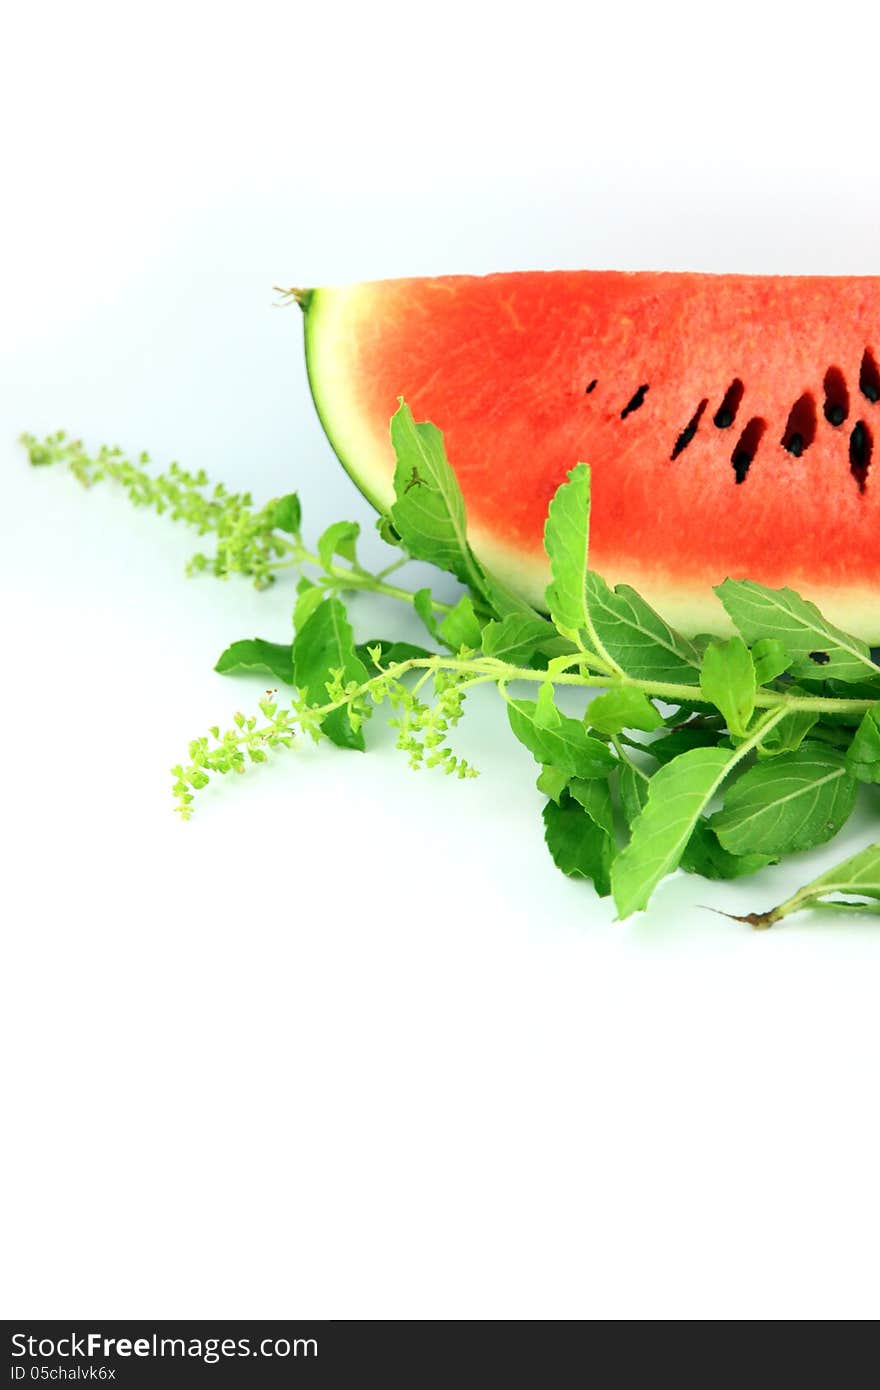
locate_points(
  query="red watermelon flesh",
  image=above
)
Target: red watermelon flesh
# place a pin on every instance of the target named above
(730, 421)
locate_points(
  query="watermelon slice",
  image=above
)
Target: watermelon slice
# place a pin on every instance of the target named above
(729, 421)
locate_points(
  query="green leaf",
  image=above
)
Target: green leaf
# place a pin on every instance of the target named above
(701, 640)
(423, 603)
(256, 654)
(621, 709)
(842, 690)
(595, 797)
(428, 512)
(639, 640)
(391, 652)
(385, 527)
(681, 741)
(547, 714)
(504, 601)
(567, 746)
(287, 514)
(860, 874)
(310, 596)
(517, 638)
(858, 877)
(632, 787)
(849, 906)
(460, 628)
(552, 781)
(338, 539)
(677, 796)
(505, 604)
(816, 647)
(683, 709)
(770, 658)
(323, 646)
(863, 754)
(580, 847)
(792, 802)
(788, 734)
(704, 855)
(727, 680)
(567, 543)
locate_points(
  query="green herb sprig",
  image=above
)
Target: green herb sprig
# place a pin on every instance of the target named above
(260, 543)
(719, 757)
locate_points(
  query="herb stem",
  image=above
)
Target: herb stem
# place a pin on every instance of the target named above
(775, 703)
(661, 690)
(617, 742)
(395, 565)
(605, 660)
(350, 579)
(346, 578)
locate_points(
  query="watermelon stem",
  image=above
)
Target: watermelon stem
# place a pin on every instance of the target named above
(292, 296)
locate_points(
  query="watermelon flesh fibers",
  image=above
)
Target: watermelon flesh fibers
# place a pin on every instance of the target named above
(730, 421)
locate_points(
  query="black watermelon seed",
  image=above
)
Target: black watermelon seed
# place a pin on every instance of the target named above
(836, 407)
(860, 448)
(746, 447)
(689, 431)
(741, 464)
(800, 428)
(726, 412)
(637, 400)
(592, 386)
(684, 440)
(869, 377)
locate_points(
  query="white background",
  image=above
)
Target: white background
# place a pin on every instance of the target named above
(348, 1044)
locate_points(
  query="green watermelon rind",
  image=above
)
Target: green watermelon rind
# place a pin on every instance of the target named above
(317, 307)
